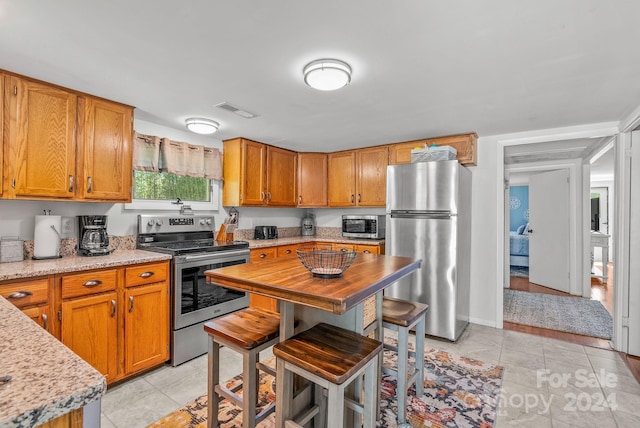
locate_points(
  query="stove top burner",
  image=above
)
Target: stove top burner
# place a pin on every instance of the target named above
(189, 247)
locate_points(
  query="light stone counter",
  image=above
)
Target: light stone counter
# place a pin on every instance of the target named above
(33, 268)
(48, 379)
(263, 243)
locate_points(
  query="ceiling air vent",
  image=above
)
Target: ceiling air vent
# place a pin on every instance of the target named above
(242, 113)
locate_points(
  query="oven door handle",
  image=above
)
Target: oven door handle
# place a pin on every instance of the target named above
(213, 256)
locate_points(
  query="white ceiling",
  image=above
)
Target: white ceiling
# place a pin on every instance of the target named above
(420, 68)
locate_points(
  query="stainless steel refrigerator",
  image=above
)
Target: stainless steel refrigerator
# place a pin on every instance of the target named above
(429, 217)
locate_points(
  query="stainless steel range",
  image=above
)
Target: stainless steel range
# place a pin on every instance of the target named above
(189, 239)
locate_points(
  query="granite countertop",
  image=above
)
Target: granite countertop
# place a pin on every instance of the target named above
(263, 243)
(33, 268)
(48, 379)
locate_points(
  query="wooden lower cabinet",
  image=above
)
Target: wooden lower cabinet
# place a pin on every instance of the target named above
(73, 419)
(90, 329)
(33, 298)
(122, 331)
(146, 345)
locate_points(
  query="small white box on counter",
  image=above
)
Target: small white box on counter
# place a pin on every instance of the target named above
(11, 249)
(434, 153)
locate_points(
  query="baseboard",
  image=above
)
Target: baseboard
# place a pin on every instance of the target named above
(483, 322)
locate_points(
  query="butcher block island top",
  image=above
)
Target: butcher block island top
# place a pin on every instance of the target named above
(47, 379)
(286, 279)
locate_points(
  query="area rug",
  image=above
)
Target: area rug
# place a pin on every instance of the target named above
(562, 313)
(519, 271)
(458, 392)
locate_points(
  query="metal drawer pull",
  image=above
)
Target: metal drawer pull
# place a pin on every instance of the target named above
(45, 321)
(130, 303)
(300, 199)
(288, 252)
(114, 308)
(92, 283)
(263, 255)
(71, 183)
(146, 274)
(89, 184)
(367, 251)
(262, 196)
(19, 295)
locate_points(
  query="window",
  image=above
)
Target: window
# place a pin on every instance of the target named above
(160, 191)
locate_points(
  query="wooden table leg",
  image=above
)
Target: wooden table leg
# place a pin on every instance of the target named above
(284, 378)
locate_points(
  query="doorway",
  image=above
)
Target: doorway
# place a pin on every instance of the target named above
(578, 211)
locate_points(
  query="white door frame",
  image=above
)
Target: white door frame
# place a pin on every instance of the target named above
(575, 199)
(562, 134)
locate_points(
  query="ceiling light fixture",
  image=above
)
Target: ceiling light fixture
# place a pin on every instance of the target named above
(200, 125)
(327, 74)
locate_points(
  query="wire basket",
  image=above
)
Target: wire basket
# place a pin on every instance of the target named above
(323, 262)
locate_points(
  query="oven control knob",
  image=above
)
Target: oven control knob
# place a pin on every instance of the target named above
(209, 221)
(158, 222)
(151, 222)
(202, 222)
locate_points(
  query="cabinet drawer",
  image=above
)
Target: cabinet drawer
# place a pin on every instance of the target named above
(88, 283)
(288, 250)
(344, 247)
(145, 274)
(27, 293)
(369, 249)
(259, 254)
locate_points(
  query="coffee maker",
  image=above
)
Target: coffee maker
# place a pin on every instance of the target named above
(92, 235)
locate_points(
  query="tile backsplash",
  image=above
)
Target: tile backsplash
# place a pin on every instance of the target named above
(69, 246)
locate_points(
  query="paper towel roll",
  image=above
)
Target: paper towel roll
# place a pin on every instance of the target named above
(46, 240)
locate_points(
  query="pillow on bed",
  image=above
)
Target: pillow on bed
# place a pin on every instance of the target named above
(520, 230)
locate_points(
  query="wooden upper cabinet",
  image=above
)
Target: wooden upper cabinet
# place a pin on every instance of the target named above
(341, 183)
(312, 179)
(358, 177)
(257, 174)
(41, 147)
(371, 177)
(244, 166)
(105, 153)
(281, 177)
(465, 145)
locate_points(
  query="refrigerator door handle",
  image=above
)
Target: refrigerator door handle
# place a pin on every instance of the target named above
(432, 215)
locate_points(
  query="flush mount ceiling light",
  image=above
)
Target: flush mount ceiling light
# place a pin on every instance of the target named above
(200, 125)
(327, 74)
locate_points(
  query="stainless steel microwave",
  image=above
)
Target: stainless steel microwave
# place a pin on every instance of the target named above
(363, 226)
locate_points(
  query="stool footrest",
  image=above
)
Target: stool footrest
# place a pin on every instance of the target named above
(263, 367)
(230, 394)
(395, 349)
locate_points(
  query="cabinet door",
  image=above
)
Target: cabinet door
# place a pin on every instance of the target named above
(401, 152)
(40, 315)
(281, 177)
(106, 151)
(42, 140)
(312, 180)
(341, 183)
(146, 327)
(371, 177)
(465, 145)
(89, 328)
(252, 175)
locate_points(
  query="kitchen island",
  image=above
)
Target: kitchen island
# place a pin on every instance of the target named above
(311, 300)
(48, 381)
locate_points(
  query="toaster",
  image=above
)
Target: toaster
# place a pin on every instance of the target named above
(265, 232)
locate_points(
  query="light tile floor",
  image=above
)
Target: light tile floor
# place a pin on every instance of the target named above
(547, 383)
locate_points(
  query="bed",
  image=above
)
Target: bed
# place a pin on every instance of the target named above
(518, 249)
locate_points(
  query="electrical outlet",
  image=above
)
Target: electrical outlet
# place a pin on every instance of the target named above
(68, 229)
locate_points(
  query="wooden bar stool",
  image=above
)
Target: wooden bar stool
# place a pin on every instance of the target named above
(247, 332)
(331, 358)
(401, 316)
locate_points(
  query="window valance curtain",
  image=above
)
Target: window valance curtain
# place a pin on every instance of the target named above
(151, 153)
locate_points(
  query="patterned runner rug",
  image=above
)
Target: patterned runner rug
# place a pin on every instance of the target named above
(563, 313)
(459, 392)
